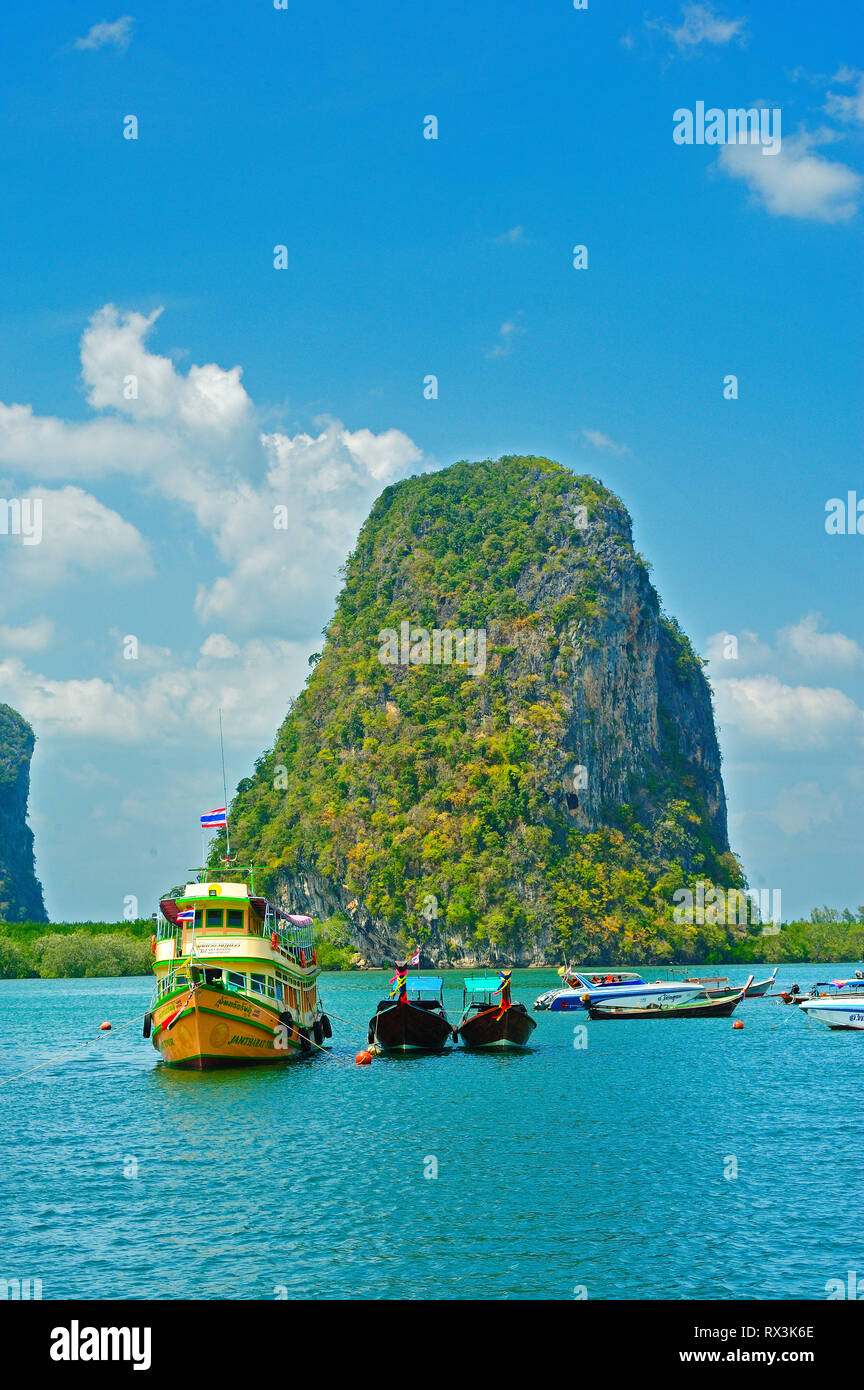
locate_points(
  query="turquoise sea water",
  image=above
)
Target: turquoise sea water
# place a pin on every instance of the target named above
(600, 1167)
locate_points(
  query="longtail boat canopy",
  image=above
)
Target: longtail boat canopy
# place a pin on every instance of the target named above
(424, 984)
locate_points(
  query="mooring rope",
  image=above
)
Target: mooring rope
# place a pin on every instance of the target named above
(80, 1048)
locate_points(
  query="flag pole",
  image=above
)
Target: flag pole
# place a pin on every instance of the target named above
(224, 788)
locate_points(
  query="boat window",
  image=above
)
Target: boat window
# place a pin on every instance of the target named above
(214, 917)
(235, 917)
(280, 990)
(236, 981)
(258, 984)
(199, 917)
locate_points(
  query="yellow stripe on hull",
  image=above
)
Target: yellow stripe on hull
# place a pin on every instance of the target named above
(215, 1028)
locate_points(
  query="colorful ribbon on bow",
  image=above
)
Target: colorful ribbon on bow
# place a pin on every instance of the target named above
(400, 983)
(504, 990)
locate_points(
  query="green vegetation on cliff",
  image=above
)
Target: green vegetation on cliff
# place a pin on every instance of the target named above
(20, 890)
(393, 787)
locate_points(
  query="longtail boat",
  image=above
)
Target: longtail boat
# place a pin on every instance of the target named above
(706, 1007)
(235, 979)
(489, 1016)
(760, 987)
(412, 1017)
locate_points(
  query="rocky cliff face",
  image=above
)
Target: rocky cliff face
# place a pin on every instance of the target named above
(20, 890)
(543, 797)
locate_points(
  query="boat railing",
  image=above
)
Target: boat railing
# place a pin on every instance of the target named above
(167, 931)
(296, 940)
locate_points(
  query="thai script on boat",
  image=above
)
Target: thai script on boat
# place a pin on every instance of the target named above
(754, 126)
(77, 1343)
(444, 646)
(712, 906)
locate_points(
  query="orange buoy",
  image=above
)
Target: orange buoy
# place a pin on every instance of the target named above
(152, 945)
(363, 1059)
(737, 1023)
(104, 1027)
(274, 939)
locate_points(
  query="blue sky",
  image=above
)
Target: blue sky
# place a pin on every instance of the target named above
(303, 127)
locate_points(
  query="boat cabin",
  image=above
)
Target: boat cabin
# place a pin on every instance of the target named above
(604, 979)
(221, 935)
(481, 992)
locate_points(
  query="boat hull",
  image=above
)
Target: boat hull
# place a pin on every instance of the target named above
(399, 1026)
(210, 1028)
(761, 987)
(624, 996)
(845, 1015)
(486, 1029)
(714, 1008)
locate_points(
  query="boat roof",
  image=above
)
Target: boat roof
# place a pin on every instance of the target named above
(423, 984)
(601, 973)
(482, 983)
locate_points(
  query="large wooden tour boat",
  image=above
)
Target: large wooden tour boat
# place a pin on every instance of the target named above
(235, 979)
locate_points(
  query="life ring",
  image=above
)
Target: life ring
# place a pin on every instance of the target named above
(152, 945)
(274, 939)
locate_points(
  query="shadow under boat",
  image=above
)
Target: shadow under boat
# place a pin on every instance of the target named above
(412, 1018)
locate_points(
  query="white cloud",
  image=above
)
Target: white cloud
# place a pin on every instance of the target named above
(790, 717)
(511, 238)
(796, 181)
(79, 536)
(176, 704)
(113, 351)
(804, 641)
(118, 33)
(193, 438)
(506, 334)
(737, 650)
(35, 637)
(220, 647)
(799, 808)
(700, 24)
(603, 441)
(847, 108)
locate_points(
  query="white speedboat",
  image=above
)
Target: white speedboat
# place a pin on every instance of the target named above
(836, 1003)
(624, 988)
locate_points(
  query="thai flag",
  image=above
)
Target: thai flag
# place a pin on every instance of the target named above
(214, 820)
(415, 959)
(187, 916)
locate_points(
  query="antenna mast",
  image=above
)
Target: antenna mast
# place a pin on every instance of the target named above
(224, 788)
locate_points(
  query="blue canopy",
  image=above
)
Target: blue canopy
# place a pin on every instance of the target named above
(483, 984)
(424, 984)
